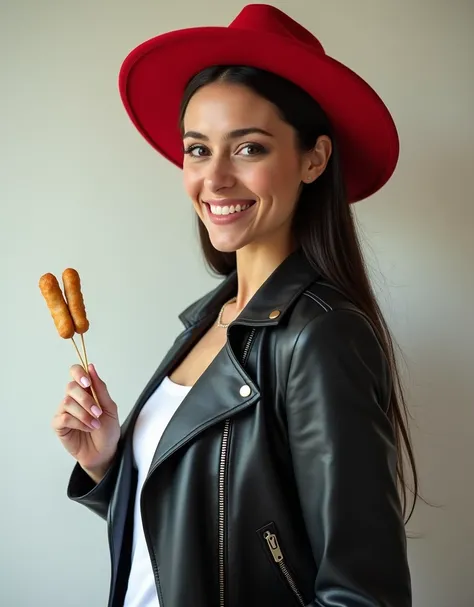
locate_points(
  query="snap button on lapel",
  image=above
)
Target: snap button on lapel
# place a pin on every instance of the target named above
(274, 314)
(245, 390)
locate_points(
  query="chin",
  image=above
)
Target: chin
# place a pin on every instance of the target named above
(225, 246)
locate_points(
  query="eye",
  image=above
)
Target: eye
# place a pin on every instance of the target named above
(253, 149)
(196, 150)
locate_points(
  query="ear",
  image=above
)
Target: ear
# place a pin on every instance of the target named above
(316, 160)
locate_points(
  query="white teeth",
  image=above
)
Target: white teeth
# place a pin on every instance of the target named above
(218, 210)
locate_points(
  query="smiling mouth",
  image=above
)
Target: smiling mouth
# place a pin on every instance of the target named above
(219, 210)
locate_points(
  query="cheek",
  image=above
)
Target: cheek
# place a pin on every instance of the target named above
(278, 181)
(260, 180)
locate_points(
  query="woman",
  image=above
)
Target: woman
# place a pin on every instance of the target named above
(262, 464)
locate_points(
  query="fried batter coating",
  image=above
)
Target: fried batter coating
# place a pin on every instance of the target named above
(75, 300)
(52, 293)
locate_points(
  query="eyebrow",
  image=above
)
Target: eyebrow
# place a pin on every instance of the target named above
(231, 135)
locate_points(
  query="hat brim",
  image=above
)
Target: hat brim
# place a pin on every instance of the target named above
(154, 75)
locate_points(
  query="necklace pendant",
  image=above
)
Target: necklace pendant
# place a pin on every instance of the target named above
(219, 323)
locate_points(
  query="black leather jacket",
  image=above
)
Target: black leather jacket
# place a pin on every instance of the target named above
(274, 483)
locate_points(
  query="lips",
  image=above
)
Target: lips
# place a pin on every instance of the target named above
(229, 217)
(230, 207)
(230, 202)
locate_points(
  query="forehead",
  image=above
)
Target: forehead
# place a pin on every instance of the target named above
(223, 105)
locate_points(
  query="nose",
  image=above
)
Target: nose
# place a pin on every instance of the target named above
(219, 175)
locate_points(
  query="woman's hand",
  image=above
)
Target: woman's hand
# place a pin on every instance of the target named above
(89, 434)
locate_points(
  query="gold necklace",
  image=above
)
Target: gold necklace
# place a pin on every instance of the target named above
(219, 318)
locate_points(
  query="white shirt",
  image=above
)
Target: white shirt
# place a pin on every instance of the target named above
(150, 425)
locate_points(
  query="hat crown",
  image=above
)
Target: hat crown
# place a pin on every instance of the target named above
(269, 19)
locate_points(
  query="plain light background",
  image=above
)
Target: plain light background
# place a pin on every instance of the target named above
(80, 188)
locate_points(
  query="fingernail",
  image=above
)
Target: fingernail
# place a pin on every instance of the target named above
(96, 411)
(95, 423)
(85, 382)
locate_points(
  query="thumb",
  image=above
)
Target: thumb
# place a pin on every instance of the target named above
(101, 390)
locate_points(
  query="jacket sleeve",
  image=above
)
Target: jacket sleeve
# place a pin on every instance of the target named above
(83, 490)
(344, 458)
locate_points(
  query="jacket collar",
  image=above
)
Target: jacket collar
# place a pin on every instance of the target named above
(269, 304)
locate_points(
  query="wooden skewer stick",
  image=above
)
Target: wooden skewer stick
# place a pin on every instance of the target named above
(77, 350)
(85, 351)
(85, 366)
(87, 369)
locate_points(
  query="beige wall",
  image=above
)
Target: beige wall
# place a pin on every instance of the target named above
(80, 188)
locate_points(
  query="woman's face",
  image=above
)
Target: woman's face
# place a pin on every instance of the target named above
(239, 152)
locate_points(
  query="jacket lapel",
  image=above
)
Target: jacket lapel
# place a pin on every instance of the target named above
(217, 395)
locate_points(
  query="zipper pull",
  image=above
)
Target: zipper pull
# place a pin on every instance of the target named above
(272, 542)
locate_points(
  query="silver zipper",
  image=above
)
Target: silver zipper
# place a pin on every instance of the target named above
(274, 546)
(222, 484)
(222, 468)
(247, 347)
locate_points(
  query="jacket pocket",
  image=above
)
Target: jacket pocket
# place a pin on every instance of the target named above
(269, 537)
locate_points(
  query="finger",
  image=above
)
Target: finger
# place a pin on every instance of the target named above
(80, 376)
(102, 392)
(77, 410)
(84, 398)
(64, 422)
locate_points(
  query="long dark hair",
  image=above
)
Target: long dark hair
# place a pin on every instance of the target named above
(323, 225)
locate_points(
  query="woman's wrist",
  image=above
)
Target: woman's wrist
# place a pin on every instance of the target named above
(97, 473)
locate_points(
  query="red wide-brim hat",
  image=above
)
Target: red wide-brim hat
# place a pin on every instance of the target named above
(154, 75)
